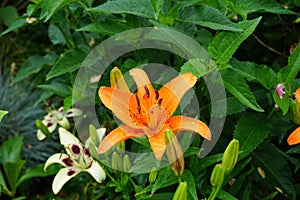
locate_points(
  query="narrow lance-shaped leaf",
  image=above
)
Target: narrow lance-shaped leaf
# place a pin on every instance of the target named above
(210, 17)
(253, 72)
(135, 7)
(225, 44)
(239, 88)
(288, 74)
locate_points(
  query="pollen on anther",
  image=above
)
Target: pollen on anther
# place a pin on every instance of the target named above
(75, 149)
(67, 161)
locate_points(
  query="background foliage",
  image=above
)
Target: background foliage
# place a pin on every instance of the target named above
(254, 45)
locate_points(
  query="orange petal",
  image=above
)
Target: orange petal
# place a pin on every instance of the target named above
(121, 103)
(145, 91)
(117, 135)
(190, 124)
(294, 137)
(172, 92)
(158, 142)
(297, 95)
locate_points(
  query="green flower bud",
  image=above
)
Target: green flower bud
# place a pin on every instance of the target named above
(39, 124)
(117, 80)
(153, 175)
(295, 112)
(116, 162)
(217, 176)
(174, 153)
(126, 163)
(94, 135)
(93, 150)
(181, 192)
(121, 147)
(230, 156)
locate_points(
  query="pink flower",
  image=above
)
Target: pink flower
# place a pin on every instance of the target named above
(279, 90)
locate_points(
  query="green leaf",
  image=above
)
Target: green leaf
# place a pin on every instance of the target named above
(38, 171)
(276, 168)
(135, 7)
(3, 187)
(233, 107)
(12, 171)
(106, 28)
(198, 67)
(50, 7)
(162, 196)
(245, 7)
(55, 35)
(34, 65)
(283, 103)
(251, 130)
(15, 25)
(210, 17)
(253, 72)
(157, 6)
(8, 15)
(11, 149)
(165, 178)
(226, 43)
(58, 88)
(209, 160)
(225, 195)
(66, 63)
(2, 114)
(239, 88)
(191, 186)
(288, 74)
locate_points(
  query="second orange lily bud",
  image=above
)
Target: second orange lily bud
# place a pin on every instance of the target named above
(174, 153)
(117, 80)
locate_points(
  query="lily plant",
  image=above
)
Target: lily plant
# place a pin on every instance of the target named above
(77, 159)
(148, 112)
(55, 117)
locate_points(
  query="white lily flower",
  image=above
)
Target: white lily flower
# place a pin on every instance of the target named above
(55, 117)
(77, 159)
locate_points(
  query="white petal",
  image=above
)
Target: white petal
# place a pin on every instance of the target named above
(55, 158)
(101, 133)
(73, 112)
(97, 172)
(40, 135)
(61, 178)
(64, 122)
(67, 138)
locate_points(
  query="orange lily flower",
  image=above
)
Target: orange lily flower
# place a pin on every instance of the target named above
(294, 137)
(149, 112)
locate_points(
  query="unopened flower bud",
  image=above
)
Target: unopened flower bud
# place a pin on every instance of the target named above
(117, 80)
(217, 176)
(181, 191)
(39, 124)
(94, 135)
(121, 147)
(174, 153)
(153, 175)
(230, 156)
(93, 150)
(116, 162)
(126, 163)
(295, 112)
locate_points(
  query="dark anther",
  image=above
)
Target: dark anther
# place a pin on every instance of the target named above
(75, 149)
(67, 161)
(71, 172)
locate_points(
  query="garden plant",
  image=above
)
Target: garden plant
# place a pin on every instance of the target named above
(150, 99)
